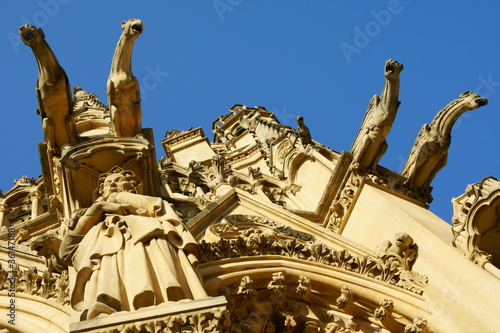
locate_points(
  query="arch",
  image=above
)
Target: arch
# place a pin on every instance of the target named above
(34, 314)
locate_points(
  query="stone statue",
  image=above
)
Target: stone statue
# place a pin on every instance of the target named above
(47, 245)
(370, 145)
(402, 251)
(129, 251)
(123, 90)
(430, 151)
(55, 104)
(304, 133)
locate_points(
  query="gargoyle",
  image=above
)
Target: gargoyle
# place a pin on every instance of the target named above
(47, 245)
(123, 88)
(370, 145)
(430, 151)
(402, 251)
(55, 103)
(304, 133)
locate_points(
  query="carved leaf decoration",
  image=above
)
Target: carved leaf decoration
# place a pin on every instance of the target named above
(365, 265)
(388, 271)
(62, 288)
(342, 259)
(320, 253)
(294, 249)
(47, 287)
(263, 244)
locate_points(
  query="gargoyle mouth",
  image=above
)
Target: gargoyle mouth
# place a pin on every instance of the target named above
(137, 28)
(389, 69)
(28, 35)
(481, 102)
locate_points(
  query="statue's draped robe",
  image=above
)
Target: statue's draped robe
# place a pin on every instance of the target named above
(132, 261)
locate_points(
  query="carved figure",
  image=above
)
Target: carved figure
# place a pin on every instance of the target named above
(303, 130)
(55, 104)
(47, 245)
(123, 91)
(129, 251)
(370, 145)
(403, 251)
(430, 151)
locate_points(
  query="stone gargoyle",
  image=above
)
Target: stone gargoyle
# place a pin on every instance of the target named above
(124, 98)
(429, 153)
(402, 251)
(47, 245)
(55, 103)
(370, 145)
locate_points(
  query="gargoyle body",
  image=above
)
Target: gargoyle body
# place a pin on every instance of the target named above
(303, 130)
(53, 91)
(430, 151)
(123, 88)
(47, 245)
(402, 251)
(370, 145)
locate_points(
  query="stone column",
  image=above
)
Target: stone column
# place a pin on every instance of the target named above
(3, 209)
(35, 196)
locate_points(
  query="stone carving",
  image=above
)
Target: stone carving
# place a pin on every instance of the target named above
(430, 150)
(47, 245)
(53, 92)
(129, 235)
(48, 285)
(123, 90)
(476, 226)
(345, 298)
(401, 252)
(370, 145)
(386, 269)
(304, 133)
(385, 309)
(419, 325)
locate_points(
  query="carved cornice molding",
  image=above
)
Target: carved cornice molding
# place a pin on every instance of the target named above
(261, 245)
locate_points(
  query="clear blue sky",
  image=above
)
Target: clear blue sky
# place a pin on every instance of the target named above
(319, 59)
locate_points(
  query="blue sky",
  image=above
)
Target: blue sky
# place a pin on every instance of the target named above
(319, 59)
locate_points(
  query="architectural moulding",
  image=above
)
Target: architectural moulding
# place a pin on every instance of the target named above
(476, 226)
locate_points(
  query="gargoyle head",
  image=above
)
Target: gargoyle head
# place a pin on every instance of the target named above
(132, 28)
(46, 245)
(403, 240)
(30, 34)
(392, 68)
(473, 100)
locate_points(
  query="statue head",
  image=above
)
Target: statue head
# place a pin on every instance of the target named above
(403, 240)
(133, 27)
(118, 180)
(30, 34)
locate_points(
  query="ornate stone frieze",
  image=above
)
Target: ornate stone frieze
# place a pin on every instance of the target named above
(383, 269)
(50, 285)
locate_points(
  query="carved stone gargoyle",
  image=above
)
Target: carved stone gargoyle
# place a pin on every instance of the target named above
(304, 133)
(47, 245)
(123, 90)
(402, 251)
(370, 145)
(55, 103)
(429, 153)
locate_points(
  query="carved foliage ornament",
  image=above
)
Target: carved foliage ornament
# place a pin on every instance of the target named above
(387, 269)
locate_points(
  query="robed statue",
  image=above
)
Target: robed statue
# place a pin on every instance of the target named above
(129, 251)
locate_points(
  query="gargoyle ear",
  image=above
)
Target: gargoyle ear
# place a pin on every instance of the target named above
(40, 31)
(123, 24)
